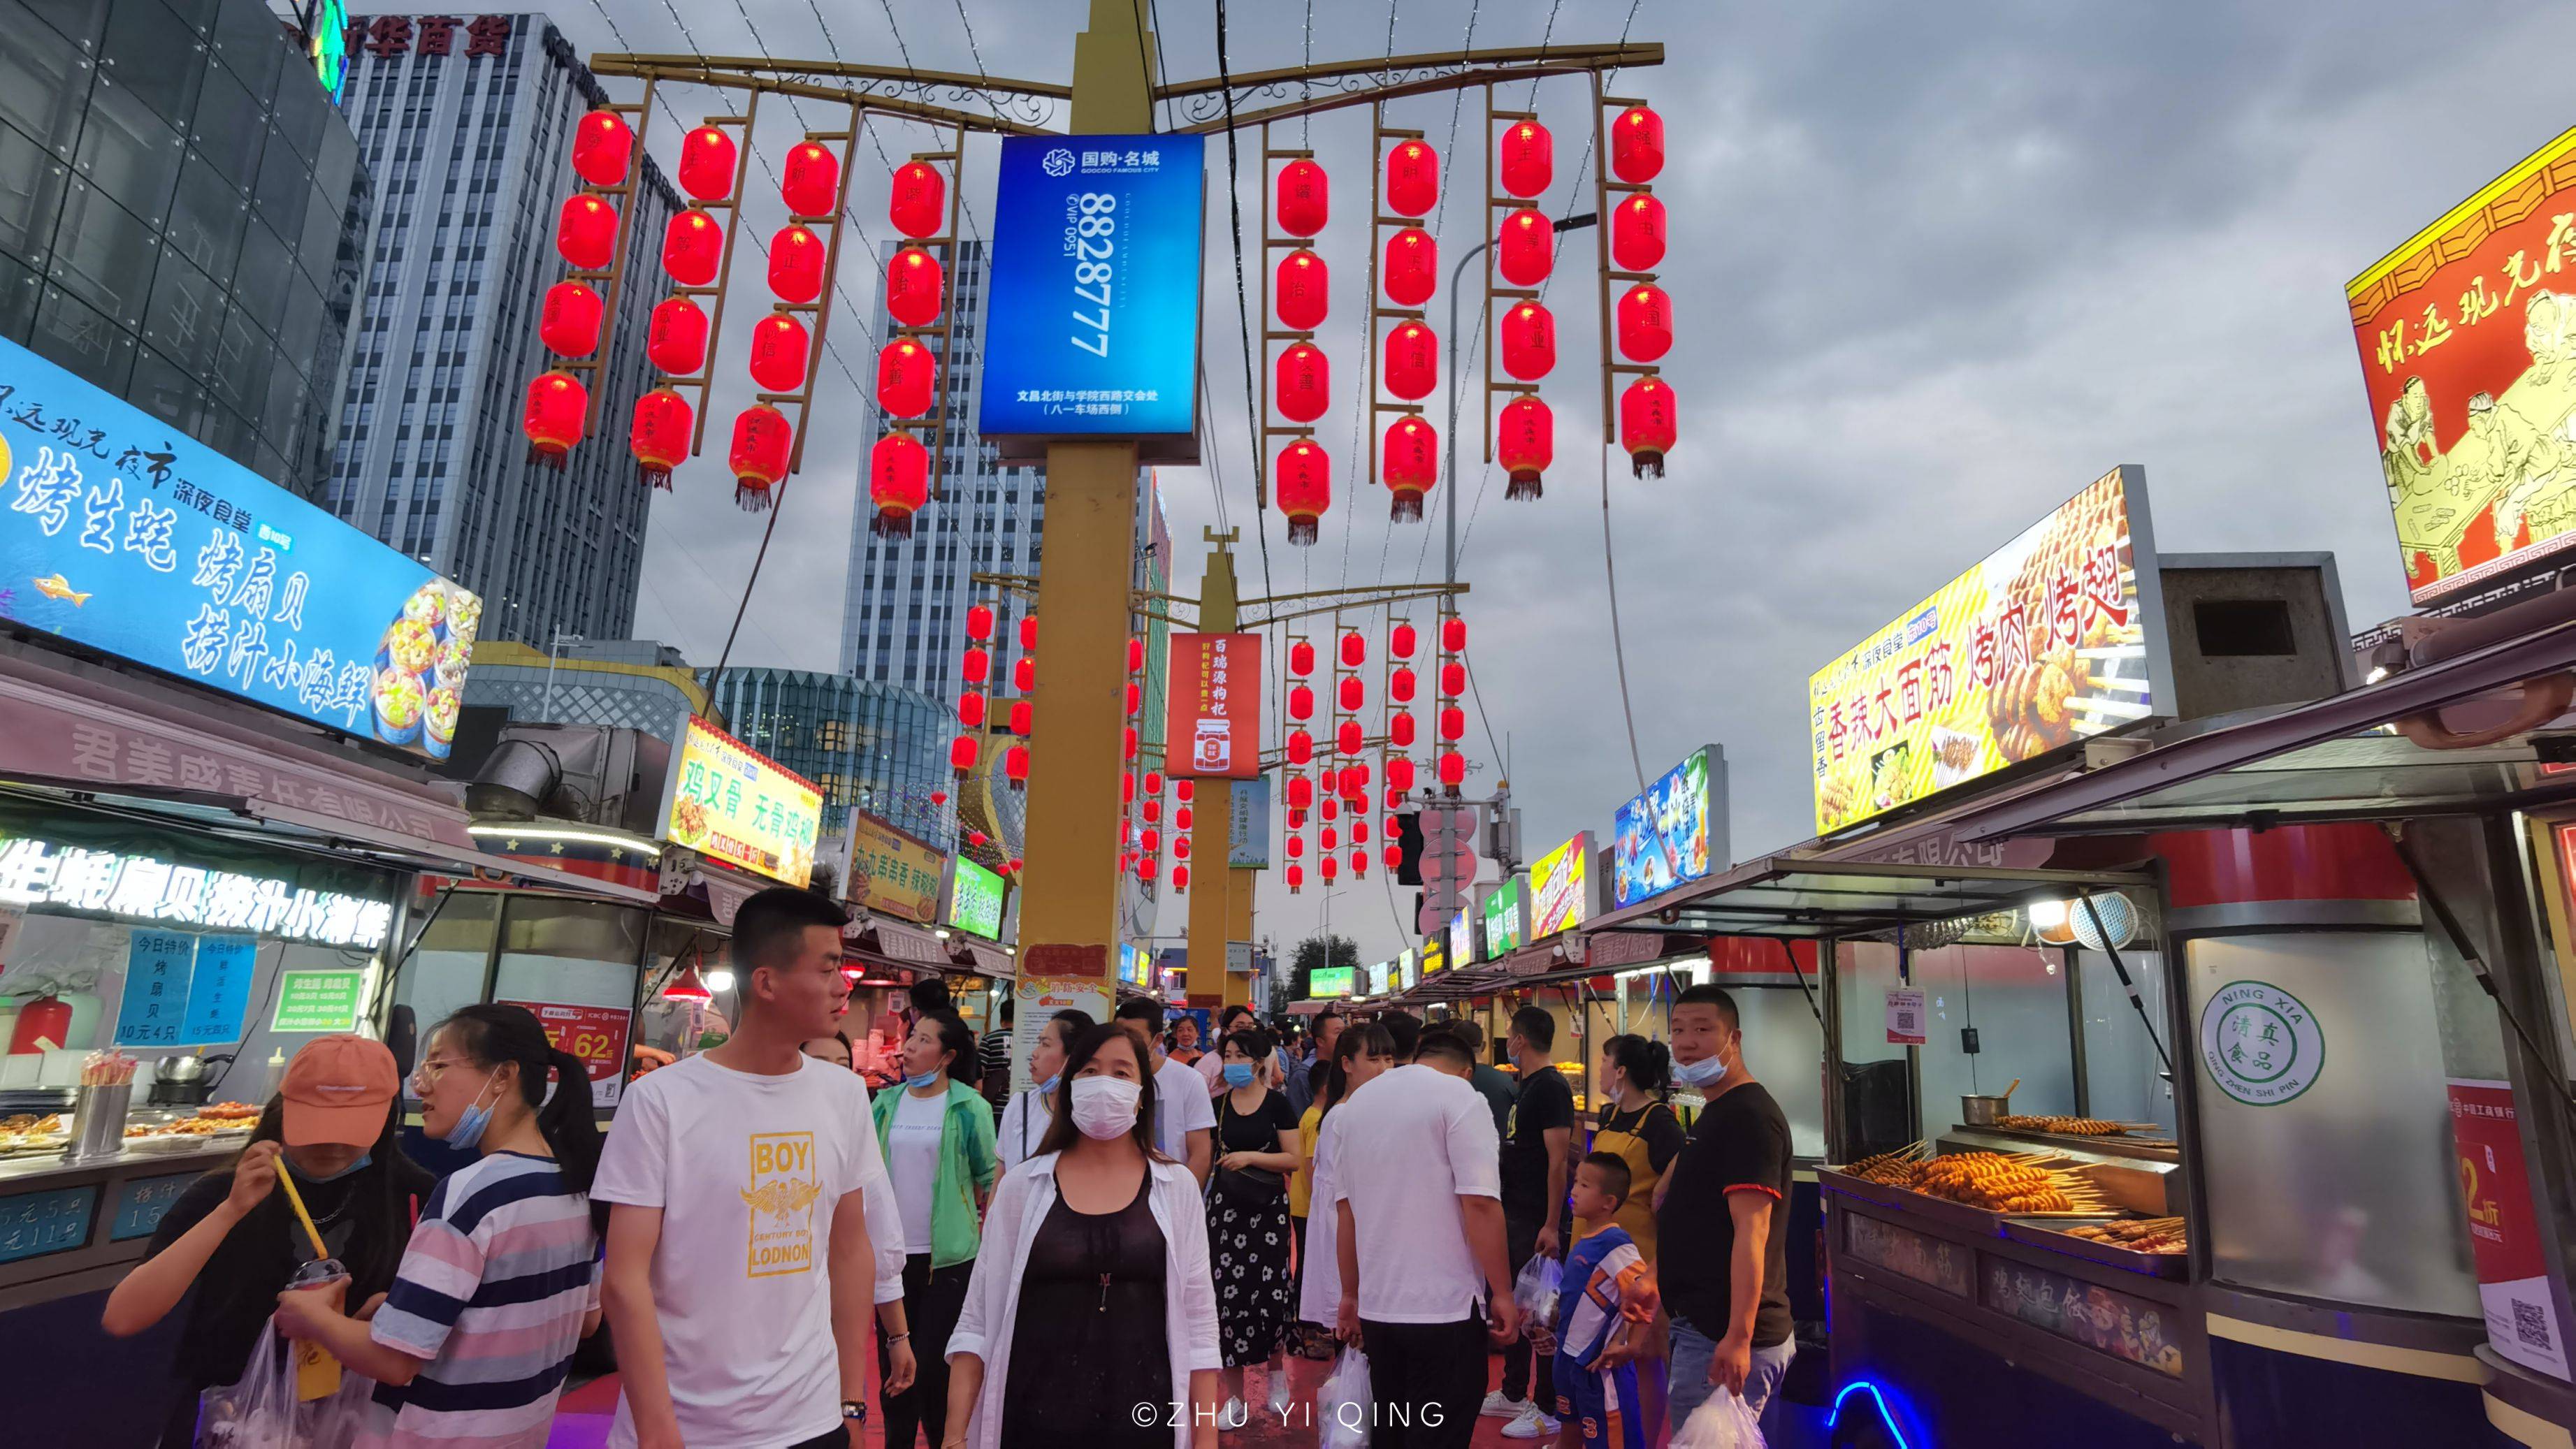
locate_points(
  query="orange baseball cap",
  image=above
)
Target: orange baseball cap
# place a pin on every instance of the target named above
(338, 1089)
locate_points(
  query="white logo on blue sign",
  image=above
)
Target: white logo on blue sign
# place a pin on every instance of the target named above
(1058, 162)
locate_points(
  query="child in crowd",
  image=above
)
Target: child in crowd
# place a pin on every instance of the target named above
(1602, 1317)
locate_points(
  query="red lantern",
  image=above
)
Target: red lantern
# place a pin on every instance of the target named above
(1412, 270)
(1525, 252)
(1153, 782)
(1355, 783)
(1453, 635)
(1410, 464)
(1135, 660)
(1453, 724)
(1647, 426)
(1296, 878)
(1296, 846)
(976, 665)
(1349, 737)
(1301, 291)
(1359, 832)
(1399, 729)
(1525, 444)
(1180, 847)
(904, 374)
(1023, 718)
(979, 622)
(796, 258)
(1412, 178)
(676, 338)
(569, 323)
(1301, 702)
(1394, 857)
(1126, 786)
(1135, 698)
(707, 163)
(1412, 361)
(1453, 679)
(779, 346)
(961, 755)
(938, 797)
(1152, 809)
(1399, 778)
(1181, 818)
(1637, 233)
(1301, 793)
(761, 440)
(1180, 879)
(1018, 865)
(1353, 693)
(603, 146)
(1304, 475)
(660, 435)
(1359, 865)
(1528, 158)
(913, 288)
(917, 204)
(1024, 674)
(1302, 383)
(1328, 838)
(976, 837)
(1645, 322)
(1131, 743)
(1183, 791)
(1637, 145)
(692, 248)
(898, 486)
(1399, 685)
(1453, 768)
(1304, 198)
(1328, 809)
(1149, 841)
(1400, 641)
(1354, 649)
(1301, 658)
(809, 181)
(1301, 747)
(1529, 341)
(558, 406)
(586, 232)
(970, 709)
(1029, 638)
(1327, 865)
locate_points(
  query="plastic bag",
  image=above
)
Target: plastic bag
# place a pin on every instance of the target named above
(260, 1412)
(1342, 1404)
(1536, 1288)
(1724, 1422)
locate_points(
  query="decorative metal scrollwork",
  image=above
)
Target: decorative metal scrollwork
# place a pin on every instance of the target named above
(1207, 105)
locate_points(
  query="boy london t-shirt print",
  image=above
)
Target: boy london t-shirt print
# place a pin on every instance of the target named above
(782, 1195)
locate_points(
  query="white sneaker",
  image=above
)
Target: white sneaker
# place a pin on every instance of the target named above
(1236, 1414)
(1497, 1406)
(1532, 1425)
(1279, 1393)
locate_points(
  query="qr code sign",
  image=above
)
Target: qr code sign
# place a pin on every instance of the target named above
(1906, 1020)
(2531, 1323)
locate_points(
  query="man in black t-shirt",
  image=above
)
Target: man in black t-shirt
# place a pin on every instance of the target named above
(1723, 1227)
(1536, 1142)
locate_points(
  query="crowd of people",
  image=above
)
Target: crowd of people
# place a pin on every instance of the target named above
(1102, 1258)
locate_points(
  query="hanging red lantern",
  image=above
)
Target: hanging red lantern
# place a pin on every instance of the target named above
(1637, 145)
(1399, 778)
(1302, 383)
(558, 406)
(1015, 766)
(1296, 846)
(1645, 322)
(1182, 817)
(1135, 698)
(1359, 832)
(1529, 341)
(1304, 478)
(1528, 161)
(1135, 658)
(707, 163)
(1647, 426)
(1353, 693)
(1018, 865)
(970, 709)
(1029, 637)
(1296, 878)
(1412, 178)
(1637, 235)
(1023, 718)
(1348, 737)
(1126, 786)
(1525, 252)
(692, 248)
(1301, 658)
(1412, 360)
(1180, 879)
(1296, 819)
(660, 435)
(603, 146)
(1453, 724)
(675, 339)
(1453, 679)
(809, 181)
(1399, 685)
(1152, 809)
(1412, 270)
(1410, 464)
(1184, 791)
(976, 665)
(1394, 857)
(761, 441)
(1453, 768)
(1328, 838)
(1301, 747)
(796, 258)
(1391, 827)
(979, 622)
(917, 203)
(1131, 743)
(1153, 782)
(905, 370)
(1525, 444)
(938, 797)
(898, 486)
(961, 755)
(1399, 729)
(1301, 702)
(1355, 783)
(1301, 291)
(1400, 641)
(1301, 793)
(569, 323)
(1303, 198)
(1180, 847)
(1453, 635)
(586, 232)
(1354, 649)
(1149, 841)
(1328, 809)
(779, 346)
(1024, 674)
(1359, 865)
(913, 288)
(1326, 865)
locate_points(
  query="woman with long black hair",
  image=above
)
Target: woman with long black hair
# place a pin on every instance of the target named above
(937, 1135)
(1638, 1127)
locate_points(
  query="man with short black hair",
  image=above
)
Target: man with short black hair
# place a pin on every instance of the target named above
(1184, 1113)
(1534, 1167)
(1406, 1028)
(1488, 1079)
(1723, 1226)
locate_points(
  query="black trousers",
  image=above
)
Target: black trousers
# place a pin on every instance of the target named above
(932, 1299)
(1520, 1240)
(1427, 1381)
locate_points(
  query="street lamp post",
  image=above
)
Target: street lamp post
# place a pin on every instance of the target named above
(1456, 275)
(561, 639)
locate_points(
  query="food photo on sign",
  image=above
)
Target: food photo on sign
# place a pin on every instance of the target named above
(1669, 835)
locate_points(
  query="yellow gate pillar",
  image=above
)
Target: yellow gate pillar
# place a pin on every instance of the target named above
(1211, 823)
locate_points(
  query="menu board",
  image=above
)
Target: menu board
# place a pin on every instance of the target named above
(318, 1000)
(34, 1224)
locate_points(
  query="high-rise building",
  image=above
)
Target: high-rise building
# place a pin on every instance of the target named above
(181, 217)
(867, 746)
(466, 126)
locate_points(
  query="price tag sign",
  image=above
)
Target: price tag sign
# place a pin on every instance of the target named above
(1905, 1016)
(33, 1224)
(318, 1000)
(596, 1034)
(219, 993)
(158, 965)
(142, 1202)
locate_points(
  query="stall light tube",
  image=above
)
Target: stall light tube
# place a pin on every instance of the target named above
(2047, 915)
(1886, 1415)
(719, 980)
(549, 832)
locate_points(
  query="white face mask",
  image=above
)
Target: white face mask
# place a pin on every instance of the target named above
(1104, 1107)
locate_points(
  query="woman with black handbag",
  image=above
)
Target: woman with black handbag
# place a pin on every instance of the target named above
(1248, 1235)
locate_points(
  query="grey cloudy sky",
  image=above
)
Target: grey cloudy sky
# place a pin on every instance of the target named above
(1935, 268)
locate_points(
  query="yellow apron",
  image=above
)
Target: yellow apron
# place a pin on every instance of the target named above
(1637, 1214)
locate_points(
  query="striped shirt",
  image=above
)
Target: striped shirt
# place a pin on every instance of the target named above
(491, 1293)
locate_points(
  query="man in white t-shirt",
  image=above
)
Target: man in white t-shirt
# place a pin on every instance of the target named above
(1418, 1190)
(1184, 1113)
(742, 1183)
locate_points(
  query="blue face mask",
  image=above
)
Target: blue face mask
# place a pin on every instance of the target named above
(923, 1081)
(1703, 1073)
(467, 1134)
(1238, 1074)
(1047, 1087)
(302, 1176)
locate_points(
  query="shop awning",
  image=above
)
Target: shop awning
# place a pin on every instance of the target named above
(908, 945)
(1789, 897)
(982, 957)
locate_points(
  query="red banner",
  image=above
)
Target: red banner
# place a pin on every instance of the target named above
(596, 1034)
(1213, 727)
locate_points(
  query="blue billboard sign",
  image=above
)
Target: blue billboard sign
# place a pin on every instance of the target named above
(1669, 835)
(1092, 327)
(126, 536)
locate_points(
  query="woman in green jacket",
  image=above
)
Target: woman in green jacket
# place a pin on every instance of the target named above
(937, 1134)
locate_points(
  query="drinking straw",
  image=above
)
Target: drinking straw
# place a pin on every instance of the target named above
(286, 1180)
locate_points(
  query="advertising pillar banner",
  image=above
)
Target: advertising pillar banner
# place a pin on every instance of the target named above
(1247, 841)
(1039, 999)
(2504, 1235)
(1213, 725)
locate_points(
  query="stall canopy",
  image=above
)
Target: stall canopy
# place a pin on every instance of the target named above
(1791, 897)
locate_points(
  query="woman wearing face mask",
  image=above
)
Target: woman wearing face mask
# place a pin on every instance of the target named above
(502, 1277)
(1025, 1118)
(937, 1134)
(1247, 1213)
(1639, 1128)
(1359, 1055)
(232, 1237)
(1092, 1296)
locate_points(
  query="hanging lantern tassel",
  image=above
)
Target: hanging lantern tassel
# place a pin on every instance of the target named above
(1525, 444)
(1410, 465)
(557, 406)
(1303, 478)
(660, 437)
(899, 484)
(761, 436)
(1647, 428)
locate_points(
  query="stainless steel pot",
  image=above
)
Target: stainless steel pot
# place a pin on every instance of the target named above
(1983, 1111)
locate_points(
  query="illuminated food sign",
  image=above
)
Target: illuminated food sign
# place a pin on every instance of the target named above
(1670, 834)
(729, 802)
(1561, 888)
(1213, 711)
(891, 872)
(975, 900)
(1328, 981)
(141, 888)
(2053, 638)
(1505, 922)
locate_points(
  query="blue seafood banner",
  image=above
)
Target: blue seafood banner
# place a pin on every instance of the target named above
(124, 535)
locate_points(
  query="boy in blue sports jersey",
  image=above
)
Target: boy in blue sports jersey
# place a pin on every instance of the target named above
(1602, 1315)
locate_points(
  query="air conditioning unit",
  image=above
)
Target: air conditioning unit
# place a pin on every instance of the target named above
(591, 773)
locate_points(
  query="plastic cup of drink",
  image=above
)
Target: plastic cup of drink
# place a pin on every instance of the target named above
(317, 1373)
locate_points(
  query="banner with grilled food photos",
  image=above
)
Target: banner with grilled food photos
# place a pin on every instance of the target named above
(2053, 638)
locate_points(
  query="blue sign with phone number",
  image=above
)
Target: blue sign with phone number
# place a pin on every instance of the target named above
(1093, 320)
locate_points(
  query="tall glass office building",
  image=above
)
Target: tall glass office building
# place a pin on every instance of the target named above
(181, 216)
(870, 746)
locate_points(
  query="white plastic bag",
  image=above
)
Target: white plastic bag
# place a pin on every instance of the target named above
(1342, 1404)
(1536, 1288)
(1721, 1423)
(261, 1412)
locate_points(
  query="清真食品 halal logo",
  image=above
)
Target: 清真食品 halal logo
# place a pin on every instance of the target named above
(1058, 162)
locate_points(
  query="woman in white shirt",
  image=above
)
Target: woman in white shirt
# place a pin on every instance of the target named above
(1027, 1115)
(1092, 1295)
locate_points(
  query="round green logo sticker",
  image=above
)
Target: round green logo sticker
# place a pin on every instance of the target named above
(2259, 1044)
